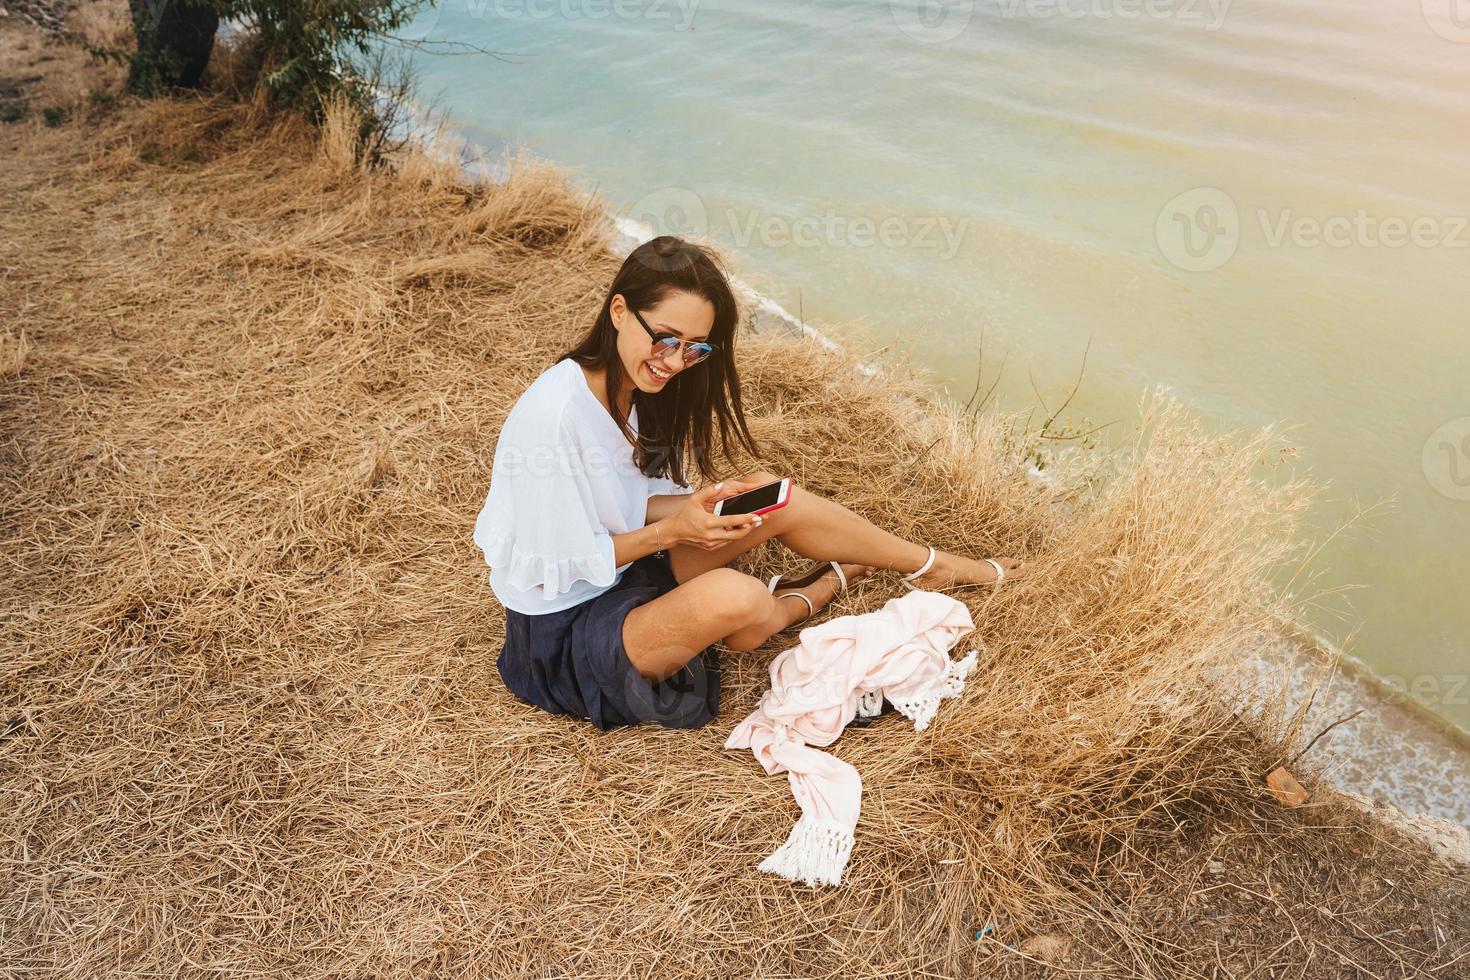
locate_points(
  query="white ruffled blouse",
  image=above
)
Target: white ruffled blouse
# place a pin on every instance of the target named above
(563, 482)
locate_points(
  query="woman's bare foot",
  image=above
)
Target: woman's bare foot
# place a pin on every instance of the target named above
(823, 589)
(949, 570)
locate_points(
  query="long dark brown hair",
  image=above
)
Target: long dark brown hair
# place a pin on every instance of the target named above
(678, 421)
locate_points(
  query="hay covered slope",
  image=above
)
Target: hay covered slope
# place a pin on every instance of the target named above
(252, 721)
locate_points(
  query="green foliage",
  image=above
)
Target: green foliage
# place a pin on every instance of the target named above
(173, 43)
(309, 49)
(303, 52)
(174, 38)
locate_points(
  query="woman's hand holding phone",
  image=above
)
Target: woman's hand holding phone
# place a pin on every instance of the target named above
(696, 522)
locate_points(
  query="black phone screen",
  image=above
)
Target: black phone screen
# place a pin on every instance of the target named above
(744, 503)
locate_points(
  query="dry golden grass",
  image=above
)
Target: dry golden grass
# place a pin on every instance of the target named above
(251, 720)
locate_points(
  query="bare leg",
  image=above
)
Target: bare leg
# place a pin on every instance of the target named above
(792, 610)
(663, 634)
(713, 603)
(816, 527)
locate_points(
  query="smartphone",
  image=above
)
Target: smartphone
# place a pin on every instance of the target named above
(761, 500)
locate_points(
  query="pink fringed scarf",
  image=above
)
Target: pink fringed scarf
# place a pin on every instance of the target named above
(842, 668)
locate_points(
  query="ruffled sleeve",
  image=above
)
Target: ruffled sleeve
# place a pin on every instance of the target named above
(539, 525)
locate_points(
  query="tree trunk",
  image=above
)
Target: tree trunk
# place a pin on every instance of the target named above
(175, 38)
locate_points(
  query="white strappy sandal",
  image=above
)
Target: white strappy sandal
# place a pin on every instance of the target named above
(909, 579)
(808, 578)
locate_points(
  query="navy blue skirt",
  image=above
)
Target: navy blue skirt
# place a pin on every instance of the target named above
(573, 662)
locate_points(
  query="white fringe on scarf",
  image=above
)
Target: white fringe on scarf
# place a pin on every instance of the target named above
(921, 710)
(817, 849)
(815, 852)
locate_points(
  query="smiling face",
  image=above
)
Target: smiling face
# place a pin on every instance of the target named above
(681, 290)
(683, 314)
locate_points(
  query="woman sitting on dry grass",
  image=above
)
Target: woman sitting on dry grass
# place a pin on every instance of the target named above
(612, 573)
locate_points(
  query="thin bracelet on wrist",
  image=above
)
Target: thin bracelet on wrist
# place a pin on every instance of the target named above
(657, 538)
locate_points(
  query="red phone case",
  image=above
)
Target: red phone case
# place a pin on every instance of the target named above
(775, 506)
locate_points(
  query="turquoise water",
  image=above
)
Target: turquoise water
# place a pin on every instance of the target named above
(1261, 205)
